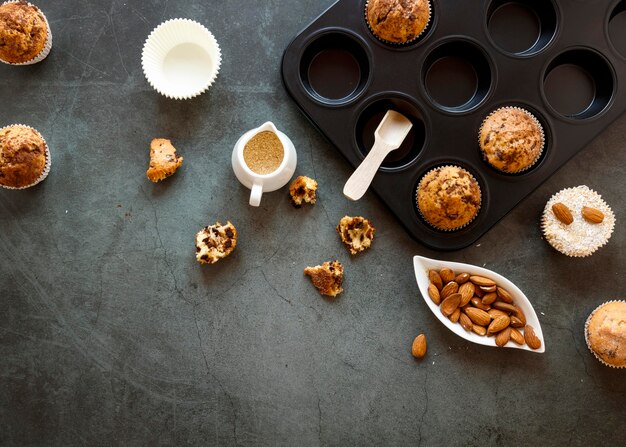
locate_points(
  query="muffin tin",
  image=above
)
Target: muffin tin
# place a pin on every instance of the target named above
(562, 60)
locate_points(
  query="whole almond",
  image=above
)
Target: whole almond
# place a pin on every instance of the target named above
(505, 307)
(488, 289)
(519, 314)
(504, 295)
(531, 338)
(446, 274)
(467, 292)
(419, 346)
(434, 278)
(433, 293)
(495, 313)
(516, 322)
(455, 315)
(462, 278)
(503, 337)
(466, 322)
(478, 316)
(498, 324)
(480, 330)
(449, 289)
(482, 281)
(476, 302)
(593, 215)
(449, 305)
(489, 298)
(517, 336)
(562, 213)
(479, 292)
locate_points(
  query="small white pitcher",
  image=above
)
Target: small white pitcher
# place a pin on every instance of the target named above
(268, 182)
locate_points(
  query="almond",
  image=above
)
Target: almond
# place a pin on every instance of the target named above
(488, 289)
(562, 213)
(446, 274)
(433, 293)
(531, 338)
(519, 314)
(449, 289)
(478, 316)
(462, 278)
(592, 215)
(419, 346)
(516, 322)
(495, 313)
(467, 292)
(503, 337)
(482, 281)
(517, 336)
(479, 292)
(476, 302)
(449, 305)
(455, 315)
(505, 307)
(434, 278)
(480, 330)
(498, 324)
(466, 322)
(489, 298)
(504, 295)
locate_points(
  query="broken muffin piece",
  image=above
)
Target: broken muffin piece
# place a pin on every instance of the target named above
(215, 242)
(327, 277)
(164, 161)
(302, 190)
(357, 233)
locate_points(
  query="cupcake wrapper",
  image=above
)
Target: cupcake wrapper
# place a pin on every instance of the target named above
(446, 229)
(396, 44)
(531, 116)
(573, 253)
(587, 335)
(163, 39)
(46, 170)
(47, 46)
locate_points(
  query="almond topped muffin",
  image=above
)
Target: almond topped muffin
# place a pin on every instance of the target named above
(23, 32)
(397, 21)
(23, 156)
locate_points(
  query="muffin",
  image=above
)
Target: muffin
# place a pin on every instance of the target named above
(448, 198)
(327, 278)
(511, 139)
(576, 221)
(24, 157)
(25, 36)
(605, 333)
(397, 21)
(356, 233)
(164, 161)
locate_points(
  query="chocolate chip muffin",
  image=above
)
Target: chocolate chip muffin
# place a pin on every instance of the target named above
(605, 333)
(23, 157)
(164, 161)
(215, 242)
(397, 21)
(327, 278)
(24, 32)
(511, 139)
(356, 233)
(448, 198)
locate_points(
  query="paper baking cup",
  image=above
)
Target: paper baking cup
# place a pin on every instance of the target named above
(587, 335)
(46, 169)
(47, 46)
(181, 58)
(564, 246)
(397, 44)
(531, 116)
(447, 230)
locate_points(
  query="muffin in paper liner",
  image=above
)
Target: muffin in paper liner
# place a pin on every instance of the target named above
(533, 118)
(181, 58)
(408, 42)
(476, 212)
(587, 341)
(580, 238)
(46, 170)
(47, 46)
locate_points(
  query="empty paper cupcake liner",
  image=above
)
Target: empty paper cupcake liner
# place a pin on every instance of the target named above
(581, 238)
(47, 46)
(181, 58)
(447, 230)
(46, 170)
(587, 335)
(535, 120)
(403, 44)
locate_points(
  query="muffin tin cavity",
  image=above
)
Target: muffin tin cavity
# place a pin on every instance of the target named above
(334, 68)
(457, 76)
(522, 27)
(617, 28)
(578, 84)
(372, 114)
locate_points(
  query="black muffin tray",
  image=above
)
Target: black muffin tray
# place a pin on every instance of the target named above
(562, 60)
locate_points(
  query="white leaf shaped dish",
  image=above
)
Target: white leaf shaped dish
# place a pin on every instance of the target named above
(422, 265)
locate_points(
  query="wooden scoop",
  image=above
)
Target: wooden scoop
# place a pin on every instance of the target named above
(389, 135)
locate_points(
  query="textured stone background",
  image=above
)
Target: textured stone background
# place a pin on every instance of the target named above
(112, 334)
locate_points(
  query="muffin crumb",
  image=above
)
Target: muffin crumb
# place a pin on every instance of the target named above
(302, 190)
(357, 233)
(215, 242)
(327, 278)
(164, 161)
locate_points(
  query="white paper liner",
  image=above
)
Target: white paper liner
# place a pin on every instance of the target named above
(46, 170)
(446, 229)
(400, 44)
(168, 36)
(47, 46)
(587, 334)
(561, 246)
(531, 116)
